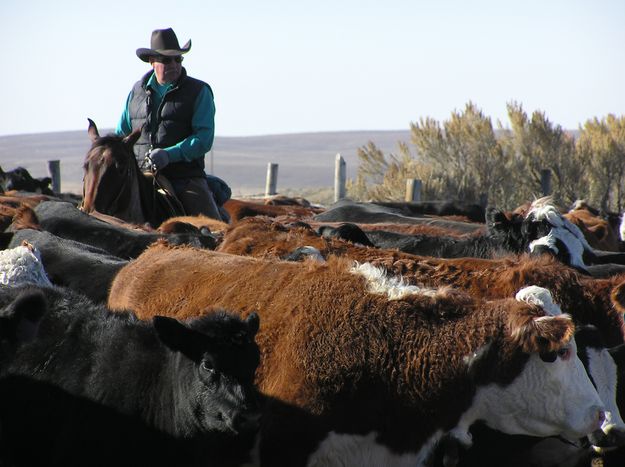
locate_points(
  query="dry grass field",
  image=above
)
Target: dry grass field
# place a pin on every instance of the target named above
(306, 160)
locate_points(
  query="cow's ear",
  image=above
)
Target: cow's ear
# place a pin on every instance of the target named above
(19, 322)
(253, 323)
(618, 297)
(496, 219)
(176, 336)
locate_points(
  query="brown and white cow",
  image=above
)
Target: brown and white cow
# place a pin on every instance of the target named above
(373, 371)
(600, 302)
(597, 230)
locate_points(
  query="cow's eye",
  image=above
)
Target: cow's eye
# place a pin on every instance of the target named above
(207, 367)
(564, 353)
(548, 357)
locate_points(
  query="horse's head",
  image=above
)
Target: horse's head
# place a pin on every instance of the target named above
(110, 172)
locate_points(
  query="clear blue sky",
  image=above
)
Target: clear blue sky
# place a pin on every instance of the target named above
(322, 65)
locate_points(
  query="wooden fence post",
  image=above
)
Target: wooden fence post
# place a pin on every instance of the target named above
(272, 179)
(340, 178)
(54, 169)
(545, 181)
(413, 190)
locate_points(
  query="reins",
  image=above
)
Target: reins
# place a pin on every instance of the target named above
(156, 185)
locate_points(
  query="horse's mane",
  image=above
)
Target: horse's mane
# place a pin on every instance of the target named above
(110, 138)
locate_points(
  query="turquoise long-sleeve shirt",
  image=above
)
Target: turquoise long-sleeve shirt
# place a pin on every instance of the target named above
(194, 146)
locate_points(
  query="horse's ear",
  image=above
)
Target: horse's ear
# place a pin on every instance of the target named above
(93, 131)
(132, 138)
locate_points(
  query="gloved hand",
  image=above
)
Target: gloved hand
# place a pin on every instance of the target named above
(159, 158)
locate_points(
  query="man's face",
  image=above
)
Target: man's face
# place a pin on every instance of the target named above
(167, 69)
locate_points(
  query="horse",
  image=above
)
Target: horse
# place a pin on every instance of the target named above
(114, 184)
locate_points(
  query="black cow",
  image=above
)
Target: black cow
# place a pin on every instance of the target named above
(19, 323)
(101, 388)
(369, 213)
(83, 268)
(65, 220)
(504, 236)
(347, 231)
(473, 212)
(19, 179)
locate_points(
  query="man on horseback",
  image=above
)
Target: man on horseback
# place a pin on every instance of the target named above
(176, 114)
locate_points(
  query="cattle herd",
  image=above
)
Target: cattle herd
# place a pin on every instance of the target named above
(359, 334)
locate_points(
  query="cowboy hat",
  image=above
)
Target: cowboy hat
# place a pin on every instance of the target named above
(163, 42)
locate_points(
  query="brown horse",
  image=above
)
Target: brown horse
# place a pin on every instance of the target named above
(113, 183)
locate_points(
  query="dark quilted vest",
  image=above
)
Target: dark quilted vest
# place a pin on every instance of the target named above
(173, 123)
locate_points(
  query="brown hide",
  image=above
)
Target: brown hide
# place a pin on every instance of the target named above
(120, 223)
(282, 200)
(6, 216)
(199, 221)
(24, 218)
(238, 209)
(597, 231)
(588, 300)
(355, 360)
(10, 203)
(16, 198)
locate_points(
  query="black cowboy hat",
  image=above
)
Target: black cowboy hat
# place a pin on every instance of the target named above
(163, 42)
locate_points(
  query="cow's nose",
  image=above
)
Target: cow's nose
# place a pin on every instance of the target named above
(612, 436)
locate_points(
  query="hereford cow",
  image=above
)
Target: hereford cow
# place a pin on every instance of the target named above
(492, 448)
(600, 302)
(551, 232)
(379, 364)
(597, 230)
(96, 388)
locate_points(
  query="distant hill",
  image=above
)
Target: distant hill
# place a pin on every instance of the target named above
(306, 160)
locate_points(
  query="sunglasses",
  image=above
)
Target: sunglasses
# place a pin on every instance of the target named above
(168, 60)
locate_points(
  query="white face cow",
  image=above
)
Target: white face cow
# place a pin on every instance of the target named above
(526, 380)
(599, 365)
(548, 398)
(552, 395)
(543, 215)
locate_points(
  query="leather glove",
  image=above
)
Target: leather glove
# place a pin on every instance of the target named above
(159, 158)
